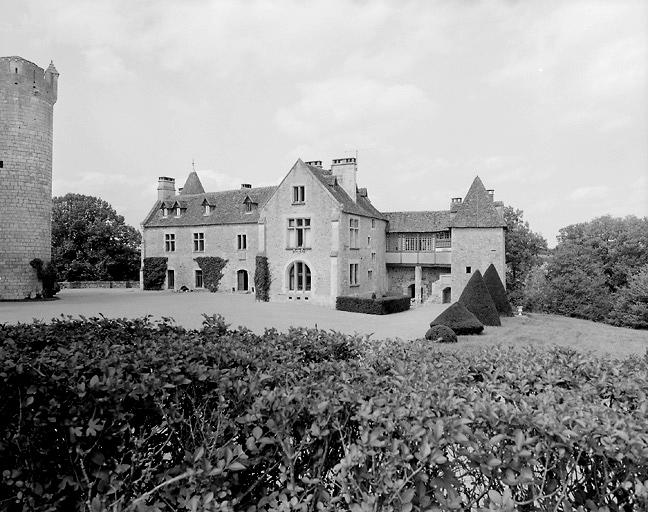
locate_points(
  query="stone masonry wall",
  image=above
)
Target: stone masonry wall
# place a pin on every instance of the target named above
(26, 105)
(220, 240)
(476, 248)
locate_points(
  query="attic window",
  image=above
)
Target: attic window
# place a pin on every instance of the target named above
(177, 211)
(165, 211)
(206, 209)
(468, 270)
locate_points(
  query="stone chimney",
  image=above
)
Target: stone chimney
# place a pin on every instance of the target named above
(315, 163)
(166, 188)
(246, 185)
(345, 170)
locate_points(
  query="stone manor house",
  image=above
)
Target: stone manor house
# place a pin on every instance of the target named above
(323, 238)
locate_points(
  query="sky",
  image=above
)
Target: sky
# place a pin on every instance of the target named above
(546, 101)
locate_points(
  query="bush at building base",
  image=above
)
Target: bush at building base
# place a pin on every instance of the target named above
(154, 272)
(212, 269)
(373, 306)
(497, 291)
(479, 302)
(441, 334)
(459, 319)
(262, 279)
(109, 414)
(46, 274)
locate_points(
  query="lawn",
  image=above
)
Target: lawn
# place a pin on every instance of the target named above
(187, 310)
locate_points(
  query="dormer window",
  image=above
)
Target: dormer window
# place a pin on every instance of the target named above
(165, 212)
(206, 209)
(177, 211)
(249, 205)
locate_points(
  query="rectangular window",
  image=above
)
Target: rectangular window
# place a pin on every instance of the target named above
(373, 223)
(468, 270)
(370, 274)
(165, 212)
(368, 240)
(353, 274)
(177, 214)
(373, 257)
(299, 233)
(207, 209)
(199, 242)
(199, 279)
(241, 242)
(354, 233)
(169, 242)
(299, 194)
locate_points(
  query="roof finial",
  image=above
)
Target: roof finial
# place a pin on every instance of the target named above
(193, 165)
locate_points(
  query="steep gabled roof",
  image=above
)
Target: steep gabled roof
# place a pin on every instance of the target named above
(477, 209)
(227, 205)
(192, 185)
(361, 206)
(418, 222)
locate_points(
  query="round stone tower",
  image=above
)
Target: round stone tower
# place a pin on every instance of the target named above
(27, 97)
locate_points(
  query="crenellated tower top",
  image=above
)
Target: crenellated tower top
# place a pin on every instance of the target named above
(29, 78)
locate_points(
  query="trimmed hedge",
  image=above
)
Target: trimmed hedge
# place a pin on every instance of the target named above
(459, 319)
(478, 301)
(378, 306)
(497, 291)
(154, 273)
(441, 334)
(119, 415)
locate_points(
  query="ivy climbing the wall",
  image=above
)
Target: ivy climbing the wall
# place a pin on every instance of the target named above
(155, 269)
(212, 269)
(262, 279)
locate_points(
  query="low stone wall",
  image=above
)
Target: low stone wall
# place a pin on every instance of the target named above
(99, 284)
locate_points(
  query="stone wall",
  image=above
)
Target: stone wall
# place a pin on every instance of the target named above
(99, 284)
(220, 240)
(476, 248)
(27, 96)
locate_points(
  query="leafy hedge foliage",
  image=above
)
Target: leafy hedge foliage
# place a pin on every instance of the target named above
(459, 319)
(631, 303)
(129, 415)
(371, 306)
(478, 301)
(212, 268)
(262, 279)
(497, 291)
(46, 274)
(154, 274)
(441, 334)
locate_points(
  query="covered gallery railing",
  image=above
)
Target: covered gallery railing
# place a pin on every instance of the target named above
(418, 242)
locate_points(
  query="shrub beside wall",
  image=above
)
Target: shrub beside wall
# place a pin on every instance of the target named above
(212, 269)
(262, 279)
(155, 269)
(378, 306)
(46, 274)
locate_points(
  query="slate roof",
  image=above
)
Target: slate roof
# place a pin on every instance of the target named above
(362, 205)
(418, 222)
(192, 185)
(228, 208)
(477, 210)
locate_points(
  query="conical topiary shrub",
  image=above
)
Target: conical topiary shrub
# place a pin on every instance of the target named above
(459, 319)
(497, 291)
(479, 302)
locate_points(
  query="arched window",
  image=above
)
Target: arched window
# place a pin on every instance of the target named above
(299, 277)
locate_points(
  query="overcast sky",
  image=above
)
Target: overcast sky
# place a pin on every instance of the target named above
(546, 101)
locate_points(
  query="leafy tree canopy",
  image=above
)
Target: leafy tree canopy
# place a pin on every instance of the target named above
(90, 241)
(523, 249)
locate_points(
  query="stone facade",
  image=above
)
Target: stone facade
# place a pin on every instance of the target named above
(27, 97)
(322, 240)
(475, 249)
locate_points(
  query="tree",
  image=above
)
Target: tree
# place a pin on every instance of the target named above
(592, 262)
(90, 241)
(523, 249)
(631, 303)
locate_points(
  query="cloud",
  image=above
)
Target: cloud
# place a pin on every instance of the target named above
(589, 193)
(345, 102)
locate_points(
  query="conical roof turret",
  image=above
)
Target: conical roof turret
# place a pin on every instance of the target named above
(477, 209)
